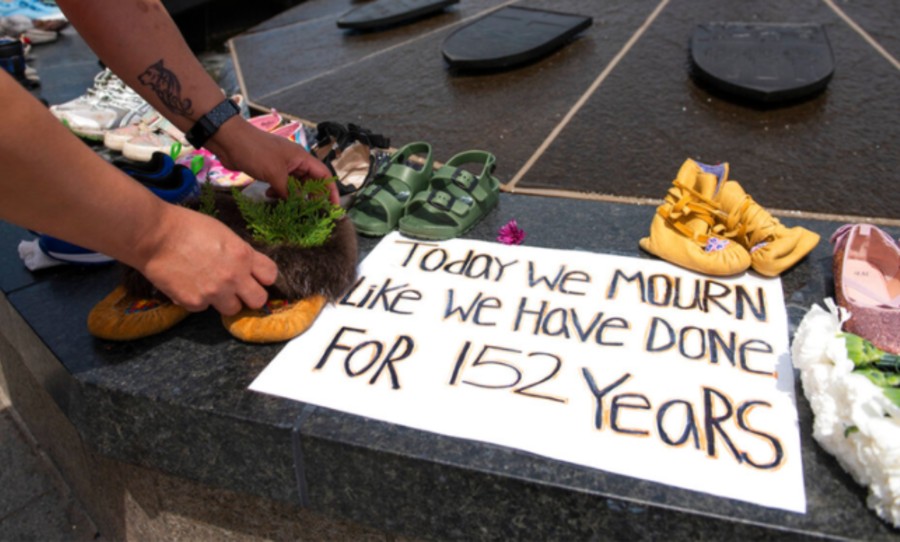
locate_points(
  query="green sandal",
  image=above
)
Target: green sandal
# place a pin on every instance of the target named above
(456, 201)
(381, 203)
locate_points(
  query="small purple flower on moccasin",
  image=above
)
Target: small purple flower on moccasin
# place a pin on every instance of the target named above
(511, 234)
(715, 244)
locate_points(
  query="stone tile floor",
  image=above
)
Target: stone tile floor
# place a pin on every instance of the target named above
(35, 502)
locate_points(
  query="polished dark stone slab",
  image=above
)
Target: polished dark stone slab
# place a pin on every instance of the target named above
(632, 134)
(13, 273)
(66, 67)
(179, 403)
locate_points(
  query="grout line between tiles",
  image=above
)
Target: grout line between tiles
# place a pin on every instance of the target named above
(633, 200)
(865, 35)
(590, 91)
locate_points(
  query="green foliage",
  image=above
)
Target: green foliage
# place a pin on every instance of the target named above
(208, 200)
(305, 218)
(880, 367)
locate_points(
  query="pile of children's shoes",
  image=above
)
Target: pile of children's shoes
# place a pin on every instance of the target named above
(37, 21)
(209, 169)
(109, 104)
(114, 114)
(709, 224)
(161, 175)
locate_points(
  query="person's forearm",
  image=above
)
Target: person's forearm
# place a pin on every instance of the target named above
(138, 40)
(53, 183)
(140, 43)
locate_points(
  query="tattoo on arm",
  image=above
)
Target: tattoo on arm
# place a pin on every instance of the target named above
(165, 84)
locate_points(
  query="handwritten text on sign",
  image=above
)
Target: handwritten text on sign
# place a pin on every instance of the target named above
(628, 365)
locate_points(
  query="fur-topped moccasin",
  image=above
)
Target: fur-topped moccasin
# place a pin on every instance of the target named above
(310, 274)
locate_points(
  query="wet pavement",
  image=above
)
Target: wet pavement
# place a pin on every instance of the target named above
(613, 114)
(35, 502)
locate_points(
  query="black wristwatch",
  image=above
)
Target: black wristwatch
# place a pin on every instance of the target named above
(209, 123)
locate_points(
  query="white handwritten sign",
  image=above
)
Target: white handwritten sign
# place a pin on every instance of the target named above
(629, 365)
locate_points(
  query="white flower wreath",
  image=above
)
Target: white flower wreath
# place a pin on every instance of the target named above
(854, 419)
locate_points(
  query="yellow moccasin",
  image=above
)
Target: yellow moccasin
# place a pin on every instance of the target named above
(682, 231)
(773, 247)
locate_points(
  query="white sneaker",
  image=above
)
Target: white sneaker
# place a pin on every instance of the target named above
(104, 82)
(111, 111)
(116, 138)
(140, 141)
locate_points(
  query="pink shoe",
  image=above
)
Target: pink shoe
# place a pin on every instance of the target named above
(208, 169)
(289, 130)
(267, 122)
(867, 283)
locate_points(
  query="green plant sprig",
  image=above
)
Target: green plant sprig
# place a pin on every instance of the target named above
(880, 367)
(208, 200)
(304, 219)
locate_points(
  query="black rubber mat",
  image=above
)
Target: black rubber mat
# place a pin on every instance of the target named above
(764, 63)
(384, 13)
(510, 37)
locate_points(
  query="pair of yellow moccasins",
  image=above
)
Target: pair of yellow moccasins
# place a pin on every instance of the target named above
(121, 316)
(308, 279)
(710, 225)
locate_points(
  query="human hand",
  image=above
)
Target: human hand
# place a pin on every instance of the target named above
(198, 262)
(267, 157)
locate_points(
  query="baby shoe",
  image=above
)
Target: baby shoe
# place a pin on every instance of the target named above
(209, 170)
(348, 153)
(682, 230)
(267, 122)
(161, 139)
(105, 83)
(113, 110)
(292, 130)
(172, 182)
(116, 138)
(127, 314)
(773, 247)
(159, 166)
(308, 278)
(866, 269)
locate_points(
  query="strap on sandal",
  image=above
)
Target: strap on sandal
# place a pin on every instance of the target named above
(457, 194)
(392, 189)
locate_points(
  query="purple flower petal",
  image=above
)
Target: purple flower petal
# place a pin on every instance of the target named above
(511, 234)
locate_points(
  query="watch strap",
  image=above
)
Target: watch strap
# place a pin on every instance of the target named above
(209, 123)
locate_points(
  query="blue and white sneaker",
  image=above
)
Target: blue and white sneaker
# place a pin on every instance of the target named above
(69, 253)
(168, 180)
(33, 9)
